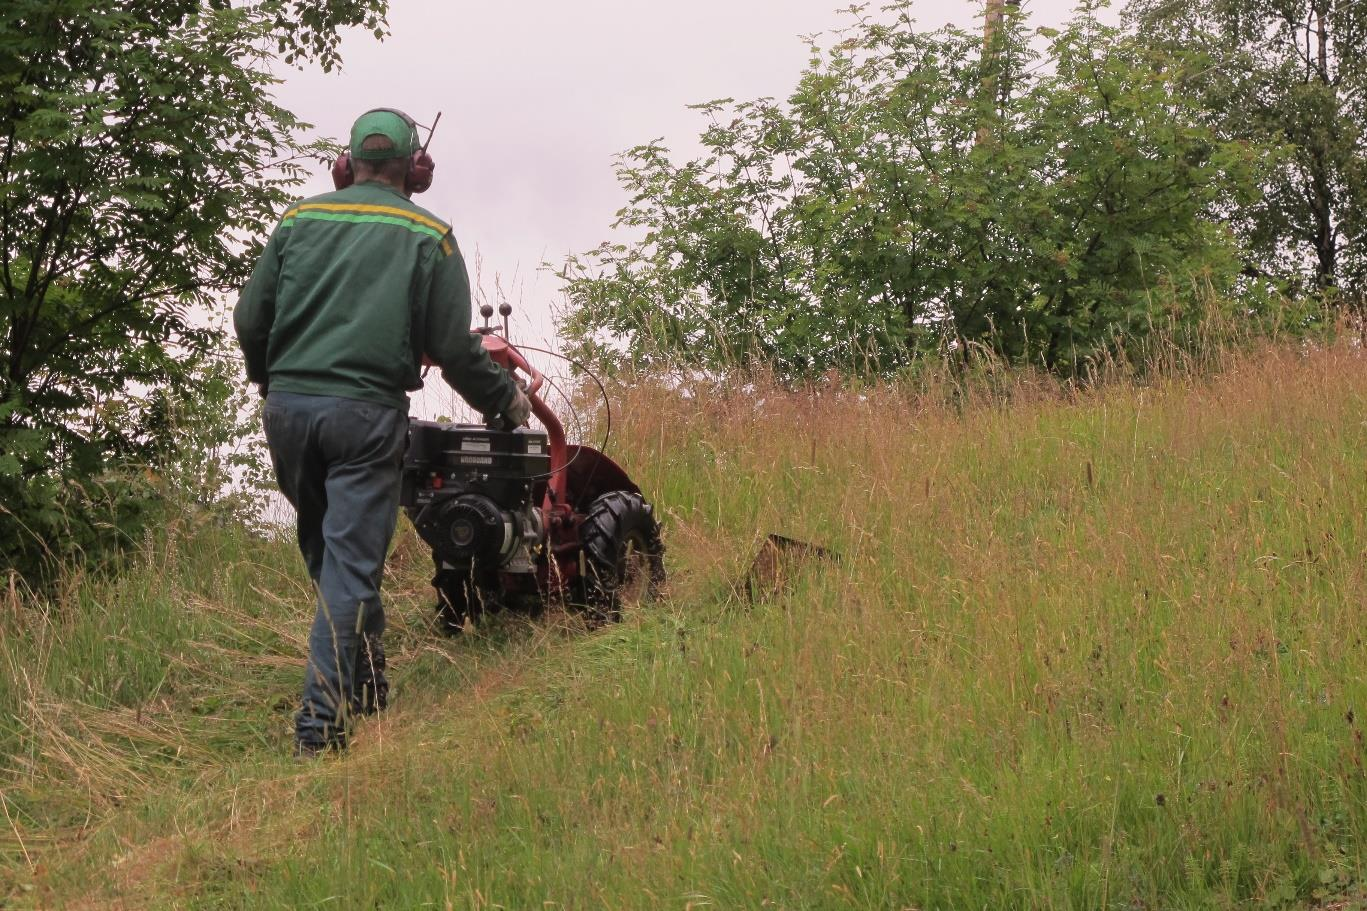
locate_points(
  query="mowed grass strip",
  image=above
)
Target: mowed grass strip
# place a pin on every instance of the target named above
(1077, 650)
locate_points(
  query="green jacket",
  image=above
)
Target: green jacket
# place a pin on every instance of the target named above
(352, 289)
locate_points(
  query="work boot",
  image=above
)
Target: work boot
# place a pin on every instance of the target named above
(369, 688)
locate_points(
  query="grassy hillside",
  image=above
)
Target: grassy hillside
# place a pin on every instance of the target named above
(1098, 650)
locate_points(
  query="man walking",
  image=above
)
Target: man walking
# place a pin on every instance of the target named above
(352, 289)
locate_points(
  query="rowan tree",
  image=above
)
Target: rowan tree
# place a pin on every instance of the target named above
(1051, 204)
(1292, 73)
(142, 157)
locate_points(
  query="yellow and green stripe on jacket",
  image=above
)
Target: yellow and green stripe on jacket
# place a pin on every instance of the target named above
(352, 289)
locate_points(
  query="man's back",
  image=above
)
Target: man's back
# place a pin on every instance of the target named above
(350, 275)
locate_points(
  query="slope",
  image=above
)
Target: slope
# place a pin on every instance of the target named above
(1082, 649)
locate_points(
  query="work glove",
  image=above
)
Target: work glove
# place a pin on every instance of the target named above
(519, 410)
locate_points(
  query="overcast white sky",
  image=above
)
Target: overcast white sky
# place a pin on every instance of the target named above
(537, 96)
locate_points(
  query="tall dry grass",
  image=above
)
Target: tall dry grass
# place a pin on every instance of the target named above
(1083, 647)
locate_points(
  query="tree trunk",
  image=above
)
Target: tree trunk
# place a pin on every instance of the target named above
(996, 12)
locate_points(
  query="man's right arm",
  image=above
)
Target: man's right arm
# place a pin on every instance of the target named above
(464, 363)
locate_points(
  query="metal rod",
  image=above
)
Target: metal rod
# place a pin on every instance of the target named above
(430, 130)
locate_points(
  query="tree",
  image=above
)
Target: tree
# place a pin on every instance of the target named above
(1292, 72)
(914, 194)
(141, 159)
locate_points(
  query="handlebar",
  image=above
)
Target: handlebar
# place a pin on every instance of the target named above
(501, 349)
(502, 352)
(505, 355)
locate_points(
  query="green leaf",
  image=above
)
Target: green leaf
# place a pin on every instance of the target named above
(137, 186)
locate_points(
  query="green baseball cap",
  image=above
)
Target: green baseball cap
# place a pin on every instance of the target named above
(383, 122)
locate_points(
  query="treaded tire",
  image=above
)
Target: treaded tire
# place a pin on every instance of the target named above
(623, 555)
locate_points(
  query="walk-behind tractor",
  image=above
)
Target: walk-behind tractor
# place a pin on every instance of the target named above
(518, 518)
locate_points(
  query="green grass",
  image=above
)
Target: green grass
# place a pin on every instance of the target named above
(1080, 650)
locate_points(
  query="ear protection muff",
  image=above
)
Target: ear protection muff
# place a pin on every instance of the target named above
(342, 174)
(420, 164)
(420, 169)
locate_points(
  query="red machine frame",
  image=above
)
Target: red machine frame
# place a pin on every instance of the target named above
(577, 475)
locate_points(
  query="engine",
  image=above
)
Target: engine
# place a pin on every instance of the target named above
(469, 492)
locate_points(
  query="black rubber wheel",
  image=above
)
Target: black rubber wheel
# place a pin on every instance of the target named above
(623, 555)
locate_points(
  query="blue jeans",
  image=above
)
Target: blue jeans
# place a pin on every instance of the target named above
(338, 462)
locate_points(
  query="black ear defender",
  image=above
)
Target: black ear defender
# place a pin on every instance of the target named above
(420, 164)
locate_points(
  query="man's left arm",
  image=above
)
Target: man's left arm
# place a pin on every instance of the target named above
(255, 312)
(465, 365)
